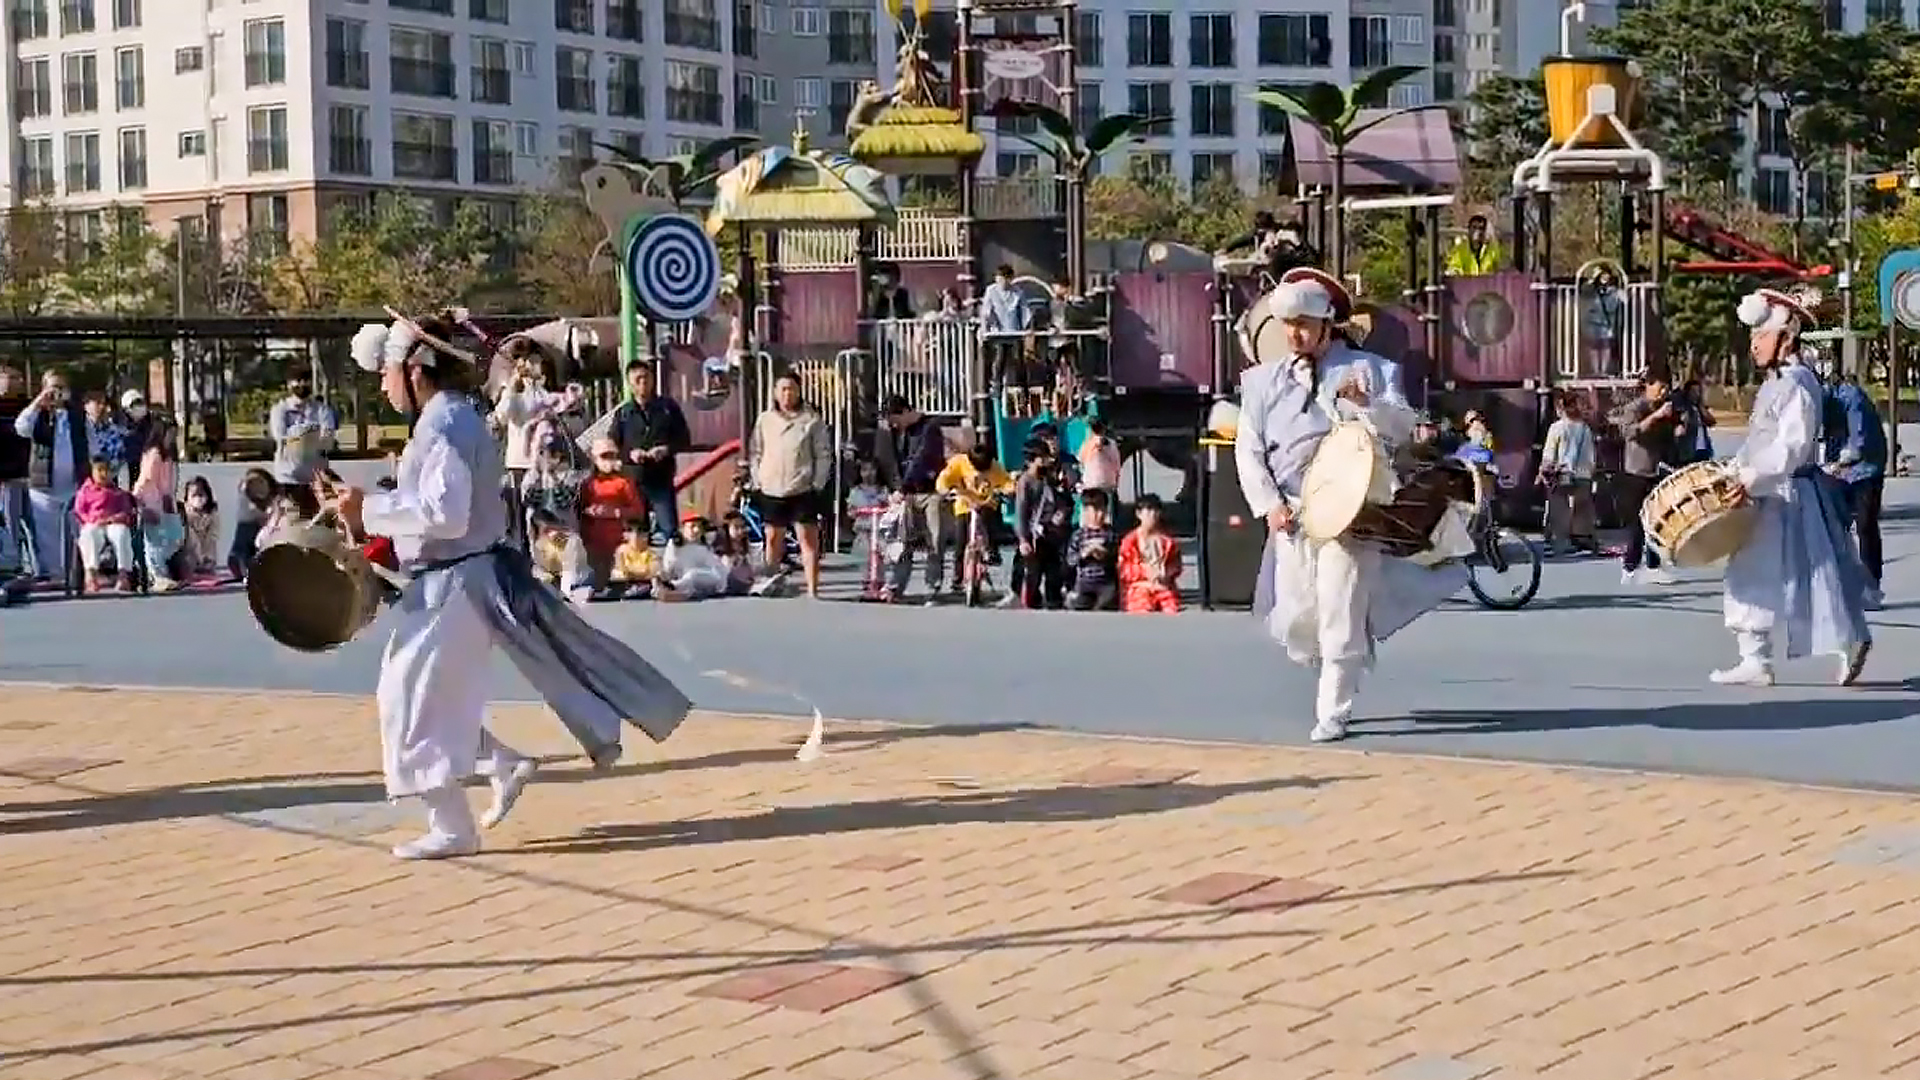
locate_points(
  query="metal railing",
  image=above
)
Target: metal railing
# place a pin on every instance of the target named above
(930, 362)
(1594, 338)
(1016, 198)
(916, 235)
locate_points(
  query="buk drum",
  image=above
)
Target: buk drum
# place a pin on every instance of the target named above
(312, 590)
(1350, 491)
(1699, 514)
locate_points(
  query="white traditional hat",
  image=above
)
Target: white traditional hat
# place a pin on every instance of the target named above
(1770, 310)
(376, 347)
(1307, 293)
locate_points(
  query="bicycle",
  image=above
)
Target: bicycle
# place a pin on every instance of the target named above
(749, 510)
(1497, 549)
(974, 576)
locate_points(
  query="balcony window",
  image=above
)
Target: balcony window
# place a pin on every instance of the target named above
(493, 11)
(1149, 39)
(840, 96)
(626, 20)
(1089, 39)
(270, 219)
(1212, 111)
(1211, 167)
(126, 15)
(1447, 13)
(83, 163)
(691, 28)
(266, 52)
(33, 88)
(30, 20)
(492, 152)
(693, 93)
(422, 63)
(349, 150)
(1369, 42)
(626, 87)
(574, 16)
(133, 159)
(1152, 99)
(423, 147)
(1088, 107)
(130, 78)
(1295, 41)
(267, 139)
(37, 179)
(76, 17)
(492, 78)
(348, 66)
(1210, 41)
(80, 79)
(430, 7)
(746, 29)
(574, 81)
(849, 37)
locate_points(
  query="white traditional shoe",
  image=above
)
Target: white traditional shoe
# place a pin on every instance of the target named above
(1659, 576)
(1852, 661)
(1328, 730)
(437, 845)
(1629, 577)
(1875, 600)
(1745, 673)
(506, 791)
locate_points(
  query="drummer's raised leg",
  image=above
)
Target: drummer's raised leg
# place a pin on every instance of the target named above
(1342, 577)
(1756, 661)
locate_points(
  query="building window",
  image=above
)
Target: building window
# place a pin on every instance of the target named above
(493, 11)
(806, 21)
(30, 20)
(693, 93)
(575, 16)
(1089, 39)
(36, 178)
(126, 16)
(348, 65)
(526, 59)
(492, 152)
(1210, 167)
(76, 17)
(269, 219)
(1443, 86)
(1773, 190)
(33, 88)
(1443, 48)
(492, 78)
(266, 52)
(840, 95)
(1149, 39)
(626, 87)
(1445, 13)
(693, 24)
(1210, 41)
(1010, 164)
(746, 106)
(1212, 109)
(1088, 106)
(526, 139)
(1369, 42)
(267, 139)
(133, 158)
(1408, 95)
(130, 78)
(349, 149)
(746, 29)
(1273, 119)
(1885, 11)
(626, 21)
(573, 70)
(1295, 41)
(1836, 16)
(1152, 99)
(191, 58)
(83, 162)
(1775, 136)
(807, 92)
(192, 144)
(423, 147)
(631, 143)
(1409, 30)
(1271, 167)
(1150, 165)
(849, 37)
(80, 83)
(421, 63)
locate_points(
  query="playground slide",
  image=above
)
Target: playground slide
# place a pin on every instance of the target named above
(1729, 252)
(1011, 434)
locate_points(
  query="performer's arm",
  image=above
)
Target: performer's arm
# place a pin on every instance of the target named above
(1766, 464)
(437, 510)
(1392, 415)
(1249, 452)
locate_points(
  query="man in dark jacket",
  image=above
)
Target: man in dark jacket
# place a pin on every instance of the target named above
(911, 451)
(1854, 449)
(651, 431)
(1647, 424)
(58, 458)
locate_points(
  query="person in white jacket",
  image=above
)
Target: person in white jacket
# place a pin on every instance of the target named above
(691, 570)
(527, 414)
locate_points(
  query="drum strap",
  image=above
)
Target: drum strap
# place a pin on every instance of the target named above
(433, 565)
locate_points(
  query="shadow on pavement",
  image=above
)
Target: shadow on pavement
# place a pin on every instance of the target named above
(1762, 715)
(1037, 805)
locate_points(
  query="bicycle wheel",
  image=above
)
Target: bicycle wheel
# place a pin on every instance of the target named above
(1516, 586)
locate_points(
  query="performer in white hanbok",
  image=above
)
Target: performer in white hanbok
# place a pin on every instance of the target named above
(1798, 587)
(470, 591)
(1327, 602)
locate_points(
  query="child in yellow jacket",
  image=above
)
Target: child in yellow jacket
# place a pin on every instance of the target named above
(975, 482)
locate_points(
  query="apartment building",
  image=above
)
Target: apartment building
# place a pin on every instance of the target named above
(262, 113)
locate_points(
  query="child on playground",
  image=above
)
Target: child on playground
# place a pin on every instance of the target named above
(634, 563)
(1149, 562)
(559, 557)
(106, 512)
(1042, 522)
(1093, 557)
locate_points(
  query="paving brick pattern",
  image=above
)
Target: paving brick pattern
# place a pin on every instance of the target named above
(200, 900)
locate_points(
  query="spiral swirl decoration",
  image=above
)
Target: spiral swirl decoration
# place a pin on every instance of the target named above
(673, 268)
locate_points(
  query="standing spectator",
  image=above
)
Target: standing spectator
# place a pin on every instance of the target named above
(1855, 451)
(911, 453)
(1041, 525)
(527, 413)
(1695, 432)
(650, 430)
(1477, 253)
(1600, 324)
(106, 514)
(16, 452)
(790, 455)
(302, 430)
(1004, 313)
(56, 426)
(155, 489)
(106, 438)
(1094, 557)
(1099, 461)
(608, 500)
(1566, 472)
(1647, 424)
(136, 425)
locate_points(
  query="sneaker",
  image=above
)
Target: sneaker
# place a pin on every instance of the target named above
(1659, 576)
(437, 845)
(1629, 577)
(1328, 730)
(1011, 600)
(1745, 673)
(1851, 663)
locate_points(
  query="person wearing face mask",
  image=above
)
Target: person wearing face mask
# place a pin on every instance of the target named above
(302, 428)
(136, 425)
(1798, 586)
(56, 426)
(1326, 601)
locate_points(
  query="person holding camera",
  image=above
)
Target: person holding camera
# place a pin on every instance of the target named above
(1648, 424)
(58, 461)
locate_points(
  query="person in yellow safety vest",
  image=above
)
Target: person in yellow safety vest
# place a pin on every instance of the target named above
(1476, 253)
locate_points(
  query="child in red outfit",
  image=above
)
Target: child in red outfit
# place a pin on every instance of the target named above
(608, 502)
(1149, 563)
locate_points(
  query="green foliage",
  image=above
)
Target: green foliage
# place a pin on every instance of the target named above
(394, 252)
(561, 258)
(31, 262)
(1876, 237)
(1506, 122)
(1072, 151)
(1157, 208)
(1335, 111)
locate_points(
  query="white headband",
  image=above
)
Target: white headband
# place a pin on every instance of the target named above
(1301, 300)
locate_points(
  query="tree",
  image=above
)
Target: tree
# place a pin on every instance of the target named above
(1506, 122)
(1335, 113)
(1074, 155)
(1214, 213)
(1133, 208)
(561, 256)
(394, 252)
(683, 177)
(126, 272)
(31, 264)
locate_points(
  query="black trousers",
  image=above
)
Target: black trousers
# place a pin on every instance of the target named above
(1632, 492)
(1863, 507)
(1044, 575)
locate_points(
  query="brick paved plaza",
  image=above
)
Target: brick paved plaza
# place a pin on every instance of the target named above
(197, 886)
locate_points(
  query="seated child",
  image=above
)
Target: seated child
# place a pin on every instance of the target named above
(634, 563)
(1093, 557)
(106, 512)
(975, 482)
(560, 559)
(552, 487)
(257, 491)
(608, 501)
(199, 553)
(691, 571)
(1149, 562)
(735, 547)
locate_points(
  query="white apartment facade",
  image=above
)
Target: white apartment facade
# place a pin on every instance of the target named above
(262, 113)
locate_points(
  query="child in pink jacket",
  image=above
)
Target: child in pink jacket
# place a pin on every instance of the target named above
(106, 512)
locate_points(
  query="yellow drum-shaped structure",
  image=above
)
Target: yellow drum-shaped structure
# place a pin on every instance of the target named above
(1568, 78)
